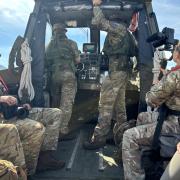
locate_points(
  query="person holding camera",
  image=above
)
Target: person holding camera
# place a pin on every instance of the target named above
(39, 134)
(167, 91)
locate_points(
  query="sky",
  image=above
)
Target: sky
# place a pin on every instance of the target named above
(14, 15)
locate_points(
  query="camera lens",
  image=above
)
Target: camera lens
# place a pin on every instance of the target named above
(22, 112)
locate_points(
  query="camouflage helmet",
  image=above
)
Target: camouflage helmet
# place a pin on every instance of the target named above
(60, 27)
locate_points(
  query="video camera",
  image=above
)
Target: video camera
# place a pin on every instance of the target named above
(13, 111)
(166, 38)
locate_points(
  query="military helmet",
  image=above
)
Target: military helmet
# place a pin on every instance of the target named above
(60, 27)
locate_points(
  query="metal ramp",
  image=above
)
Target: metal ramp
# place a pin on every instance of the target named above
(83, 164)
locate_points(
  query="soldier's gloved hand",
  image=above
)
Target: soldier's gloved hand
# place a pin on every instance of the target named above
(97, 2)
(10, 100)
(27, 106)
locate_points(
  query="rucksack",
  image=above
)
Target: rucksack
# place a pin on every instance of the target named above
(9, 172)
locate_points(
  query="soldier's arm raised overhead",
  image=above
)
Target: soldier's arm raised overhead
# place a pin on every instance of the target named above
(102, 23)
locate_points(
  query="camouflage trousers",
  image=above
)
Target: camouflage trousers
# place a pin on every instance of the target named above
(51, 118)
(142, 135)
(63, 92)
(112, 100)
(10, 145)
(40, 131)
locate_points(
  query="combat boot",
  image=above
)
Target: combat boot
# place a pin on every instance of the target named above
(67, 137)
(47, 162)
(117, 155)
(93, 145)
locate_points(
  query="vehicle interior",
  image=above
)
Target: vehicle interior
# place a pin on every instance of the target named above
(82, 164)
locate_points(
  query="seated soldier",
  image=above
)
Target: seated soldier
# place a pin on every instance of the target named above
(36, 136)
(172, 171)
(10, 145)
(166, 91)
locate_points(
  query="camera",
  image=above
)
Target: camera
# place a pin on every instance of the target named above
(166, 38)
(13, 111)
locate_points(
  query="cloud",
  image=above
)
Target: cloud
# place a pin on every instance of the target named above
(168, 14)
(14, 15)
(15, 11)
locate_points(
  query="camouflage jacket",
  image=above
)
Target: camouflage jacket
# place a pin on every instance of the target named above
(166, 91)
(61, 51)
(119, 40)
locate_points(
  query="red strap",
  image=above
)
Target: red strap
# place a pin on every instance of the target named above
(175, 68)
(3, 83)
(134, 22)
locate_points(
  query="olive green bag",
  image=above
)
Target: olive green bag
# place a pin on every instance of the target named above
(9, 172)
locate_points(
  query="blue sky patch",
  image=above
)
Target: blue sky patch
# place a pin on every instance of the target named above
(14, 15)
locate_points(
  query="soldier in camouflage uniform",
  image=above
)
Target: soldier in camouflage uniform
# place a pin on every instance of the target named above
(61, 56)
(119, 46)
(37, 136)
(10, 145)
(49, 121)
(166, 91)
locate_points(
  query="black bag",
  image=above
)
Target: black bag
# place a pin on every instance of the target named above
(168, 144)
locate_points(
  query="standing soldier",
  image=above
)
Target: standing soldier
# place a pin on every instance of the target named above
(166, 91)
(61, 56)
(119, 46)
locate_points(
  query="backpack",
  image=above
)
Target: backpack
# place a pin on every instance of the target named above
(9, 172)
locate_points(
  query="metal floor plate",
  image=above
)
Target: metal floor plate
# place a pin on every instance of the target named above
(83, 164)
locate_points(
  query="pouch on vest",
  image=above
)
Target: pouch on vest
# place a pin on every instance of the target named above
(8, 171)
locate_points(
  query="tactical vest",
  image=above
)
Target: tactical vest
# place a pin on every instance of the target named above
(118, 45)
(119, 49)
(62, 55)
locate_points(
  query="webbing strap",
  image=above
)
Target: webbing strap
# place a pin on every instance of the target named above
(163, 112)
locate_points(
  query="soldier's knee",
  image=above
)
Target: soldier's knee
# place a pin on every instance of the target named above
(12, 129)
(56, 115)
(142, 118)
(128, 138)
(38, 126)
(57, 111)
(38, 132)
(9, 126)
(126, 135)
(142, 115)
(31, 126)
(54, 111)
